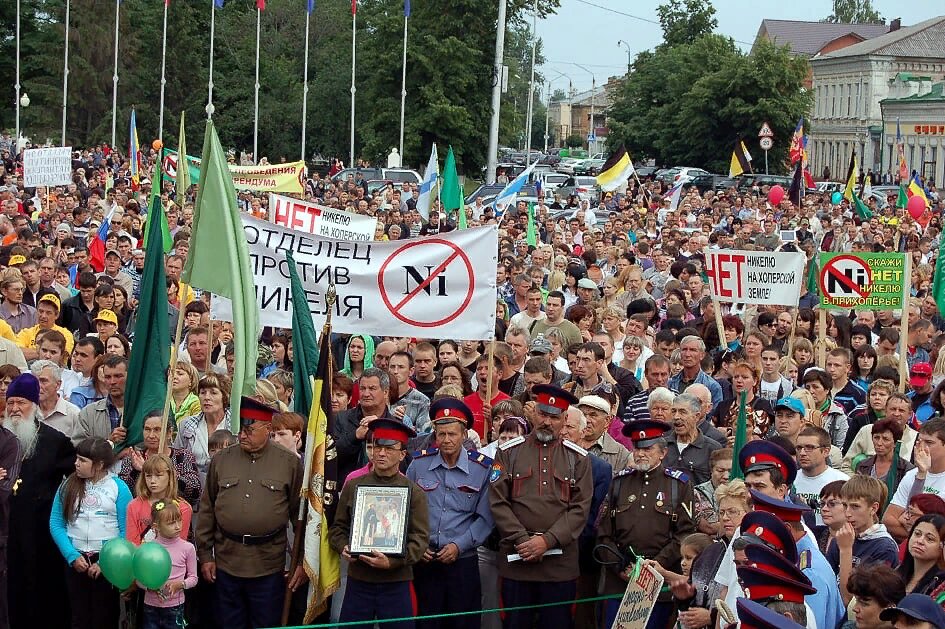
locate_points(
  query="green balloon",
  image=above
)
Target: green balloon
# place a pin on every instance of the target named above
(152, 565)
(836, 198)
(115, 560)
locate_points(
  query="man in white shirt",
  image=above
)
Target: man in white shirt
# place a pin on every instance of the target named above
(928, 477)
(774, 386)
(532, 313)
(812, 447)
(56, 412)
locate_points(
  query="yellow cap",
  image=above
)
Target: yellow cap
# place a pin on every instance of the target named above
(17, 259)
(107, 316)
(53, 299)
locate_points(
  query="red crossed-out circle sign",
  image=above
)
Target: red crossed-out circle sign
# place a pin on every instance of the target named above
(170, 165)
(419, 295)
(835, 280)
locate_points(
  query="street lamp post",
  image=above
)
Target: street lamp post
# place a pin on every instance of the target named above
(548, 106)
(593, 128)
(16, 85)
(624, 44)
(491, 158)
(531, 86)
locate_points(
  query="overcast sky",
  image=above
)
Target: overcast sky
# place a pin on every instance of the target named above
(583, 33)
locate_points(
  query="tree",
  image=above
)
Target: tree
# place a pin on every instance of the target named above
(684, 21)
(854, 12)
(689, 103)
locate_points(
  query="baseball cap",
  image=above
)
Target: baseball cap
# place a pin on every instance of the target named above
(595, 402)
(108, 316)
(53, 299)
(791, 403)
(918, 606)
(920, 374)
(540, 345)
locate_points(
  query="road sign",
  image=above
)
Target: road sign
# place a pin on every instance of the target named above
(591, 137)
(766, 143)
(863, 280)
(766, 131)
(425, 296)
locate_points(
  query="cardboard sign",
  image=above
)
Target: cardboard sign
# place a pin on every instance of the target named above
(638, 600)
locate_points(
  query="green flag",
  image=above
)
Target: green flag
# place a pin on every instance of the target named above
(861, 209)
(305, 356)
(741, 436)
(811, 285)
(902, 199)
(147, 367)
(531, 237)
(219, 262)
(452, 193)
(938, 279)
(156, 184)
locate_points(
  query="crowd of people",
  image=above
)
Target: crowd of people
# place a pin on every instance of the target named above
(595, 436)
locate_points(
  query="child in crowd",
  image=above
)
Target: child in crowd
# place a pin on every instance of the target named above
(157, 482)
(287, 431)
(88, 510)
(219, 440)
(510, 428)
(693, 590)
(164, 608)
(832, 513)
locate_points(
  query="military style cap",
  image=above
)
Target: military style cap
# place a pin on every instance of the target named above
(252, 410)
(760, 455)
(551, 399)
(770, 576)
(769, 530)
(387, 432)
(756, 616)
(449, 410)
(782, 509)
(644, 432)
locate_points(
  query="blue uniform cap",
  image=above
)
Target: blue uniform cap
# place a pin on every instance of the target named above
(756, 456)
(771, 531)
(918, 606)
(781, 509)
(791, 403)
(449, 410)
(756, 616)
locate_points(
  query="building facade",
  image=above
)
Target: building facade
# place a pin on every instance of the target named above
(918, 105)
(851, 83)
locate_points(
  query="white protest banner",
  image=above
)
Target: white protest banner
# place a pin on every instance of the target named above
(420, 287)
(319, 219)
(638, 600)
(755, 277)
(47, 167)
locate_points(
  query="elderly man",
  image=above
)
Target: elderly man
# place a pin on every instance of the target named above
(595, 439)
(692, 351)
(103, 419)
(351, 426)
(9, 472)
(656, 373)
(35, 568)
(252, 493)
(706, 427)
(56, 411)
(687, 448)
(539, 529)
(457, 528)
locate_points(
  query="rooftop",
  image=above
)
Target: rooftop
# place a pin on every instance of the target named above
(809, 38)
(925, 39)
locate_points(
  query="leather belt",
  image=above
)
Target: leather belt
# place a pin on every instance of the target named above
(252, 540)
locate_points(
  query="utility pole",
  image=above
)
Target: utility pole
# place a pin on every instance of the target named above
(491, 158)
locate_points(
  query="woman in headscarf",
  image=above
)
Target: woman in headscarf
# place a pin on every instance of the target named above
(359, 355)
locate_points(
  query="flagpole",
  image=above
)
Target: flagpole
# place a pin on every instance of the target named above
(531, 86)
(354, 38)
(213, 15)
(65, 77)
(256, 104)
(163, 79)
(114, 74)
(308, 17)
(497, 69)
(403, 92)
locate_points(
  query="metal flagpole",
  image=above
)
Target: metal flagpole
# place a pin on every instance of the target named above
(308, 17)
(16, 85)
(163, 80)
(256, 103)
(115, 74)
(213, 15)
(403, 93)
(531, 86)
(354, 35)
(65, 78)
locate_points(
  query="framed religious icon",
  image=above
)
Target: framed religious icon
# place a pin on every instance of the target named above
(379, 521)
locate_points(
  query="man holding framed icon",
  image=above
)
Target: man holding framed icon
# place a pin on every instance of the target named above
(381, 528)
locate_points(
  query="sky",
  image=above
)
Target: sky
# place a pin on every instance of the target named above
(586, 32)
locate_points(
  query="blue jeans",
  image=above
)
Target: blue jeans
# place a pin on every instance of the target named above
(162, 617)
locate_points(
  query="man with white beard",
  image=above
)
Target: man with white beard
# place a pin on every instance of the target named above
(9, 472)
(35, 569)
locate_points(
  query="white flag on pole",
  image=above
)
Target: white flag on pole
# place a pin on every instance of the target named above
(425, 201)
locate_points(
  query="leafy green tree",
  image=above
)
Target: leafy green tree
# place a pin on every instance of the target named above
(854, 12)
(684, 21)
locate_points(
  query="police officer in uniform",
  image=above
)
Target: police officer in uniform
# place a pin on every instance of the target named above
(378, 584)
(647, 515)
(772, 580)
(456, 484)
(756, 616)
(540, 494)
(251, 494)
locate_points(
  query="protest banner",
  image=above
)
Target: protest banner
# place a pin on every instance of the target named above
(47, 167)
(872, 281)
(320, 220)
(638, 600)
(755, 277)
(288, 177)
(419, 287)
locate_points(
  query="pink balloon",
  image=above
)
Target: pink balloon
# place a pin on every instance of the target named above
(775, 195)
(916, 206)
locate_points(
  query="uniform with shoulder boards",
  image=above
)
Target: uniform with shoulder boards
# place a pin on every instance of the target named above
(647, 515)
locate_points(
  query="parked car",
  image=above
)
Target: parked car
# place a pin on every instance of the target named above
(704, 182)
(489, 191)
(392, 174)
(829, 186)
(567, 165)
(646, 171)
(552, 181)
(589, 167)
(584, 187)
(745, 182)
